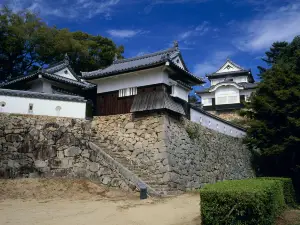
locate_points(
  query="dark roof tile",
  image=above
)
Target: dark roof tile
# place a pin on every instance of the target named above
(40, 95)
(155, 100)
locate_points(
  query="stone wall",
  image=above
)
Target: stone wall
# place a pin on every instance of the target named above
(162, 146)
(156, 149)
(139, 140)
(47, 146)
(198, 155)
(229, 116)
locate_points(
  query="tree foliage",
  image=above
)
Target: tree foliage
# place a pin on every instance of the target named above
(275, 111)
(27, 43)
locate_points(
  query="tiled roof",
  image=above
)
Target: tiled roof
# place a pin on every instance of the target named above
(141, 62)
(155, 100)
(61, 65)
(233, 63)
(229, 73)
(55, 77)
(123, 65)
(40, 95)
(245, 85)
(232, 74)
(248, 85)
(241, 71)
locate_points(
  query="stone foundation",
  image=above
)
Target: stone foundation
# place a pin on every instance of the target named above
(32, 146)
(197, 155)
(229, 116)
(157, 149)
(139, 140)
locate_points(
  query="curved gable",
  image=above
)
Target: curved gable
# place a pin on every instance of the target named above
(226, 84)
(228, 67)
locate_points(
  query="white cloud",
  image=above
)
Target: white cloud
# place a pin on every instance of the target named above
(200, 30)
(212, 63)
(125, 33)
(149, 7)
(185, 35)
(65, 8)
(280, 24)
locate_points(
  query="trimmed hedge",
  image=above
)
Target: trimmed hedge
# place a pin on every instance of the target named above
(288, 190)
(251, 201)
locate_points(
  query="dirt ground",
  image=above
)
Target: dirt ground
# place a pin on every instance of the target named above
(77, 202)
(289, 217)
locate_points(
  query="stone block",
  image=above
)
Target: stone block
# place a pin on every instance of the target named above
(60, 154)
(72, 151)
(106, 180)
(129, 125)
(85, 153)
(13, 164)
(14, 138)
(40, 163)
(138, 145)
(92, 166)
(145, 144)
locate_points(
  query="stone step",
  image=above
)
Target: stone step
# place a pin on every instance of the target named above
(174, 193)
(160, 186)
(153, 182)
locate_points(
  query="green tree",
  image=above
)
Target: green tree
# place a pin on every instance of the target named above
(273, 55)
(275, 112)
(27, 43)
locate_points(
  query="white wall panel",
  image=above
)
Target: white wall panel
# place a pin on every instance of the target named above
(214, 124)
(180, 92)
(20, 105)
(136, 79)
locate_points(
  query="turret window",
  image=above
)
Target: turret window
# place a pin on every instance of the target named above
(127, 92)
(30, 108)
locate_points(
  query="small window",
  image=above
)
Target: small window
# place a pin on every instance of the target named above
(66, 71)
(2, 104)
(127, 92)
(30, 108)
(58, 108)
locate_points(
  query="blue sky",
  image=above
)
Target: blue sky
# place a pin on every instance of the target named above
(208, 31)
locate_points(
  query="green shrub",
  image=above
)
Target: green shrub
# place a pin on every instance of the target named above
(251, 201)
(288, 189)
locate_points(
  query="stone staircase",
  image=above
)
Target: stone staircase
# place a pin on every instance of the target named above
(149, 179)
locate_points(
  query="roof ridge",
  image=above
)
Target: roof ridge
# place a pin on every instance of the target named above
(173, 49)
(235, 64)
(55, 64)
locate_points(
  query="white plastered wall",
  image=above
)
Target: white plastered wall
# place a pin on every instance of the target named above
(45, 107)
(180, 92)
(134, 79)
(215, 124)
(240, 79)
(206, 99)
(228, 67)
(66, 73)
(41, 85)
(228, 94)
(216, 81)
